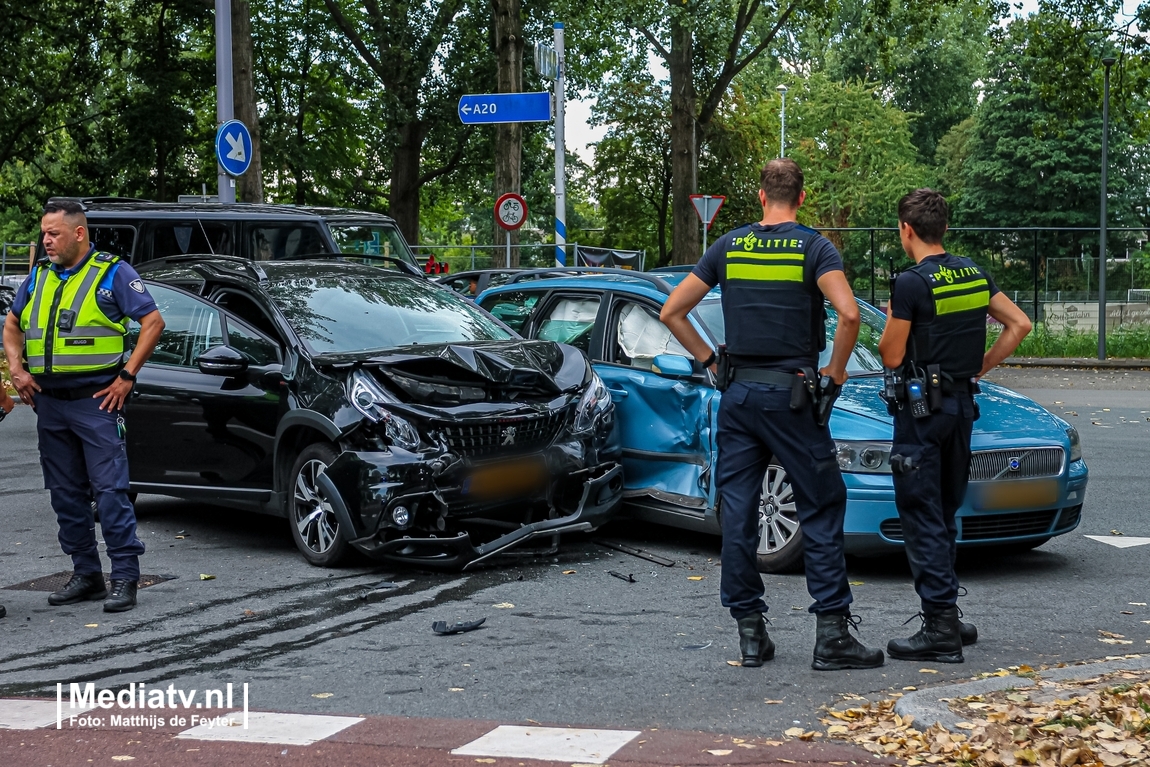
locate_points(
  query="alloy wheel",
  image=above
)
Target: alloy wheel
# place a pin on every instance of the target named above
(778, 518)
(314, 517)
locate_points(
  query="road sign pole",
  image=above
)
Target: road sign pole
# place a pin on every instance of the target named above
(560, 155)
(705, 228)
(224, 104)
(508, 233)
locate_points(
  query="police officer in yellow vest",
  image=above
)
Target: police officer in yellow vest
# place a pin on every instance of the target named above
(66, 349)
(935, 341)
(6, 406)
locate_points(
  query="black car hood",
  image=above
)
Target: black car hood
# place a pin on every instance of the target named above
(487, 371)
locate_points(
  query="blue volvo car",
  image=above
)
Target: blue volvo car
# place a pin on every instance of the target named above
(1028, 479)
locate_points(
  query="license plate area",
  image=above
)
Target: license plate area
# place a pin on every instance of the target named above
(1015, 494)
(505, 480)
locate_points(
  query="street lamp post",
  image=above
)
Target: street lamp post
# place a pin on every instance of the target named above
(1107, 62)
(782, 89)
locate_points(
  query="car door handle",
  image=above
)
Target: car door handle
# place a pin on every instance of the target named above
(617, 394)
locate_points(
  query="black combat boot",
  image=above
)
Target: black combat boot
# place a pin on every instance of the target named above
(836, 649)
(967, 632)
(938, 639)
(80, 588)
(122, 598)
(754, 642)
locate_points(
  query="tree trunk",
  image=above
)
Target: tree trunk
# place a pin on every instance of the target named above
(250, 185)
(508, 34)
(403, 199)
(684, 149)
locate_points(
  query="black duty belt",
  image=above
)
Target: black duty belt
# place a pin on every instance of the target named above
(80, 392)
(758, 375)
(958, 387)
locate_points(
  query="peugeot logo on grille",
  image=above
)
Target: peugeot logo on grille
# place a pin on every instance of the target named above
(1015, 463)
(508, 435)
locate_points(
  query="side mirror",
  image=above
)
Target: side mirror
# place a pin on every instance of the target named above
(672, 366)
(222, 361)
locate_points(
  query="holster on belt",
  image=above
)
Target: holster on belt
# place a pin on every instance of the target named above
(805, 387)
(723, 369)
(934, 387)
(828, 392)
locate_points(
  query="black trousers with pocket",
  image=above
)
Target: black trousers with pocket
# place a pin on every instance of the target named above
(930, 493)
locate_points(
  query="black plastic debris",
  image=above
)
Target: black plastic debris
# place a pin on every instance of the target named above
(638, 553)
(629, 578)
(441, 627)
(697, 646)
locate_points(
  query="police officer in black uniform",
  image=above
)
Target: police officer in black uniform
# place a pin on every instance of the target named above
(935, 342)
(774, 276)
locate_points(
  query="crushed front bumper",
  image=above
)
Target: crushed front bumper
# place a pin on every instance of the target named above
(364, 489)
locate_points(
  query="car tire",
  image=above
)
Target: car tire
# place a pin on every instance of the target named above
(314, 528)
(780, 536)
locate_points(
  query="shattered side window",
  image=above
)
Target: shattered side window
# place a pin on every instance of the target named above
(570, 321)
(640, 337)
(512, 309)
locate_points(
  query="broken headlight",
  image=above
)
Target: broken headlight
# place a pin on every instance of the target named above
(864, 457)
(369, 398)
(595, 402)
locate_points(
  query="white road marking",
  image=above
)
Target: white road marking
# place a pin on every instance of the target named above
(556, 744)
(32, 714)
(267, 727)
(1120, 541)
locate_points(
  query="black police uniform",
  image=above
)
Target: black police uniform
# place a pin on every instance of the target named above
(774, 325)
(945, 298)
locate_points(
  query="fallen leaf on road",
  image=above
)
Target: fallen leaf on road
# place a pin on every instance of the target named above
(206, 577)
(91, 625)
(746, 745)
(719, 751)
(1115, 641)
(1111, 634)
(1125, 612)
(695, 577)
(793, 732)
(322, 694)
(928, 671)
(504, 606)
(455, 689)
(570, 572)
(771, 702)
(491, 761)
(1137, 604)
(123, 758)
(1117, 532)
(910, 688)
(734, 663)
(857, 583)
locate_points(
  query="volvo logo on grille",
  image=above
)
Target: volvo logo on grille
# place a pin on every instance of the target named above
(508, 435)
(1015, 463)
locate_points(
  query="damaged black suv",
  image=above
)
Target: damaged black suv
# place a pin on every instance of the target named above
(372, 408)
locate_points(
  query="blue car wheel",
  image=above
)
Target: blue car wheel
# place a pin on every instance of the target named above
(780, 537)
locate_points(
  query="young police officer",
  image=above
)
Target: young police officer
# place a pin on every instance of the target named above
(69, 321)
(774, 275)
(936, 337)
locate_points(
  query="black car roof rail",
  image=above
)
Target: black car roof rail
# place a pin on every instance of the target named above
(257, 272)
(93, 200)
(563, 271)
(405, 266)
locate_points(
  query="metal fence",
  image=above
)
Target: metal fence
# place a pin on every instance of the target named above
(1043, 269)
(535, 255)
(15, 261)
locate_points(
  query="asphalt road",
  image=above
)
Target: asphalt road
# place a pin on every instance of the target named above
(580, 648)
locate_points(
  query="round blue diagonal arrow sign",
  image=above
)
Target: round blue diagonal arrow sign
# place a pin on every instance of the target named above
(234, 147)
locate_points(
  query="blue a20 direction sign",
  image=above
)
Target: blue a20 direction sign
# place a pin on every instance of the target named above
(485, 108)
(234, 147)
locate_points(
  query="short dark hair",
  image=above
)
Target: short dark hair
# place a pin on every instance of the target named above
(73, 211)
(927, 213)
(782, 181)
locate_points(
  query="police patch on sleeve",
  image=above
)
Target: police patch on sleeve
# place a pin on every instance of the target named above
(137, 285)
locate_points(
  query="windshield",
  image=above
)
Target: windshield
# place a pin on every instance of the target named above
(370, 239)
(865, 357)
(354, 314)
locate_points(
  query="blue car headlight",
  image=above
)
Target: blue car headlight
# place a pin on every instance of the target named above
(864, 457)
(369, 398)
(596, 401)
(1075, 444)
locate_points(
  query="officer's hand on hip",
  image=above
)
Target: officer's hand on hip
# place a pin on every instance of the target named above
(25, 385)
(839, 375)
(115, 395)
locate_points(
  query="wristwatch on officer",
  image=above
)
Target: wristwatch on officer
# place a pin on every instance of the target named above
(709, 361)
(125, 375)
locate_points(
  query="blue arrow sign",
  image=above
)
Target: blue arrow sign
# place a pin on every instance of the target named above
(234, 147)
(484, 108)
